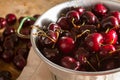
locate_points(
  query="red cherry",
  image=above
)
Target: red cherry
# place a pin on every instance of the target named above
(88, 18)
(63, 23)
(81, 55)
(73, 15)
(11, 19)
(106, 50)
(93, 41)
(54, 27)
(3, 23)
(115, 14)
(110, 37)
(66, 44)
(109, 22)
(80, 10)
(69, 62)
(100, 10)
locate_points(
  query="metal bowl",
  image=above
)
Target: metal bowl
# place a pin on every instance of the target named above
(63, 73)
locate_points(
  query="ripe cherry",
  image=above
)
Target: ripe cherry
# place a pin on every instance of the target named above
(66, 44)
(73, 15)
(8, 31)
(106, 50)
(63, 23)
(109, 22)
(110, 37)
(100, 10)
(81, 55)
(80, 10)
(11, 19)
(3, 23)
(115, 14)
(93, 41)
(88, 18)
(54, 27)
(69, 62)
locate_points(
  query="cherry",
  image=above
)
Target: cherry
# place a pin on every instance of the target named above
(69, 62)
(80, 10)
(73, 15)
(100, 10)
(107, 50)
(3, 23)
(51, 54)
(66, 44)
(115, 14)
(6, 74)
(11, 19)
(63, 23)
(19, 62)
(110, 37)
(8, 31)
(54, 27)
(36, 16)
(8, 55)
(88, 18)
(81, 55)
(109, 22)
(94, 41)
(25, 31)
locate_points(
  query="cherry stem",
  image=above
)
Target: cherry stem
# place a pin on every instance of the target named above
(21, 25)
(79, 35)
(74, 24)
(107, 30)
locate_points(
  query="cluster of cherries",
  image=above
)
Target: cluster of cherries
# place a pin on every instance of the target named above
(83, 40)
(14, 49)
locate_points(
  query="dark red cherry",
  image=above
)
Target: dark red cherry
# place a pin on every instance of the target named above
(69, 62)
(100, 10)
(8, 31)
(63, 23)
(36, 16)
(7, 55)
(51, 54)
(3, 23)
(81, 55)
(66, 44)
(115, 14)
(94, 41)
(88, 18)
(109, 22)
(19, 62)
(73, 15)
(80, 10)
(54, 27)
(11, 19)
(110, 37)
(106, 50)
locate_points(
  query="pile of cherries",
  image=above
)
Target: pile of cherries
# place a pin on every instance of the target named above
(82, 39)
(13, 49)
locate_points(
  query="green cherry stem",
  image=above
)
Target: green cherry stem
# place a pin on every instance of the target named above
(21, 25)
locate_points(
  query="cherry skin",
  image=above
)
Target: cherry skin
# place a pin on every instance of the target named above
(93, 41)
(54, 27)
(3, 23)
(63, 23)
(100, 10)
(80, 10)
(115, 14)
(8, 31)
(73, 15)
(109, 22)
(106, 50)
(81, 55)
(88, 18)
(11, 19)
(110, 37)
(69, 62)
(66, 44)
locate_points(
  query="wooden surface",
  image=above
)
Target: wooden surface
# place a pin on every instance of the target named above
(23, 8)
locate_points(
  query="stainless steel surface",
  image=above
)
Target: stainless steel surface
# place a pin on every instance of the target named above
(68, 74)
